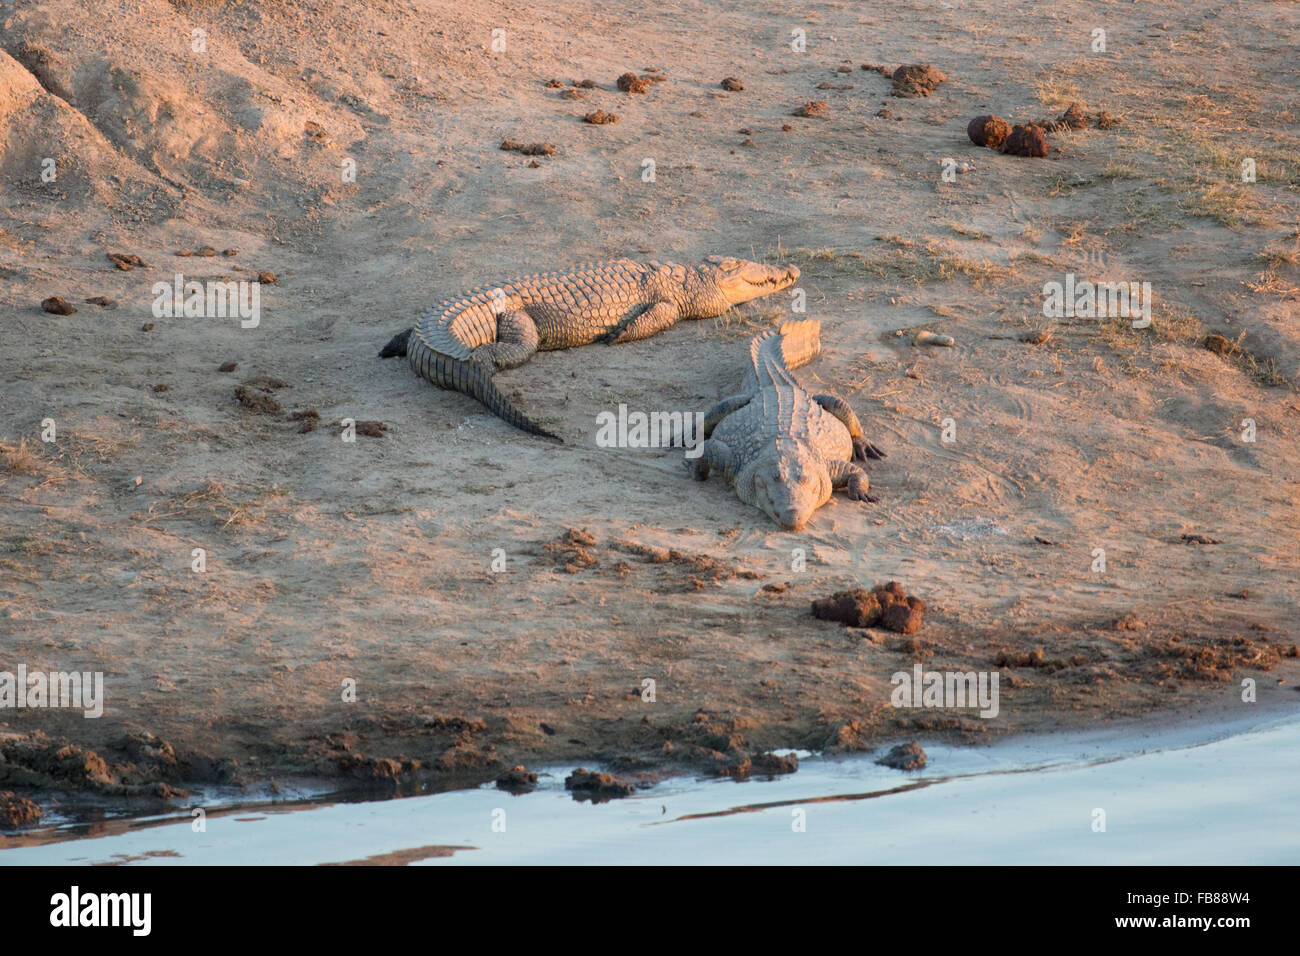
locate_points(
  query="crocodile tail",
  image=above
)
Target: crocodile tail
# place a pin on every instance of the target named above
(778, 351)
(471, 379)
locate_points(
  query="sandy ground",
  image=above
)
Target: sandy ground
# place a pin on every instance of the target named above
(329, 561)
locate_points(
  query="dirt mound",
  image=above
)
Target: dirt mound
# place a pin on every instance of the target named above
(917, 79)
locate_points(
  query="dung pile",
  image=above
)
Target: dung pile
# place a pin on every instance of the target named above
(888, 606)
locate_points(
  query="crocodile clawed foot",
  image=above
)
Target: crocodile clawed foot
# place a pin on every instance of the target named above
(863, 449)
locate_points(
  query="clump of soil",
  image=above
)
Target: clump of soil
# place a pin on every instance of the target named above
(916, 80)
(988, 130)
(704, 570)
(1199, 539)
(57, 305)
(1026, 140)
(631, 83)
(1219, 345)
(102, 301)
(596, 787)
(1107, 121)
(731, 84)
(17, 811)
(815, 109)
(1032, 658)
(1129, 622)
(907, 756)
(362, 767)
(600, 118)
(1074, 117)
(256, 400)
(570, 550)
(307, 419)
(529, 149)
(774, 764)
(227, 366)
(127, 261)
(517, 780)
(888, 606)
(371, 429)
(585, 84)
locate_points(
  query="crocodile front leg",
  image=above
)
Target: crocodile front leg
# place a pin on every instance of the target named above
(716, 454)
(862, 449)
(516, 343)
(660, 316)
(845, 474)
(724, 408)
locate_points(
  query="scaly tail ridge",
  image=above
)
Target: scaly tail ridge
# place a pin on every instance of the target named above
(777, 352)
(471, 379)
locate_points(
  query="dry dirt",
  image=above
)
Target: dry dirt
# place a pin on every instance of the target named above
(371, 561)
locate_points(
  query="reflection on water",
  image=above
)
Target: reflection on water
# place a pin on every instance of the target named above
(1188, 795)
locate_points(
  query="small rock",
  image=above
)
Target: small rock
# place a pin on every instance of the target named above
(1035, 337)
(102, 301)
(57, 305)
(147, 327)
(600, 118)
(517, 780)
(907, 756)
(596, 786)
(207, 252)
(230, 252)
(266, 277)
(731, 84)
(1129, 622)
(1107, 121)
(228, 367)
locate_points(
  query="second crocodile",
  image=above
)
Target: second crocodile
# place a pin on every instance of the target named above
(783, 449)
(459, 344)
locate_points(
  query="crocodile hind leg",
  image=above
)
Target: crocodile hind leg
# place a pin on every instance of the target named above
(862, 449)
(845, 474)
(660, 316)
(721, 410)
(715, 455)
(516, 342)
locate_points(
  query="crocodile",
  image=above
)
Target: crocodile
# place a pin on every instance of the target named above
(783, 449)
(459, 344)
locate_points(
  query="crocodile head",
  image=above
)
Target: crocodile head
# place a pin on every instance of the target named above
(739, 280)
(790, 483)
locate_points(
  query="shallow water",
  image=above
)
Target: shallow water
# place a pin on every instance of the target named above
(1226, 793)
